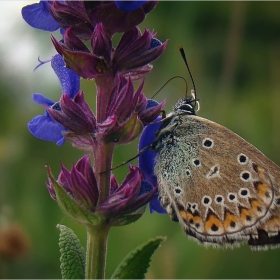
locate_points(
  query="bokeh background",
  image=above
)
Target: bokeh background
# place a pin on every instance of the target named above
(233, 49)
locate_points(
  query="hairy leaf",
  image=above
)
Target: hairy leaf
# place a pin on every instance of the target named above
(72, 254)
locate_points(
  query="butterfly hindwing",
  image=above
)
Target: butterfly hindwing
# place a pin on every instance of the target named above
(220, 188)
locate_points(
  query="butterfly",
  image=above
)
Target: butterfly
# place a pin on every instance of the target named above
(221, 189)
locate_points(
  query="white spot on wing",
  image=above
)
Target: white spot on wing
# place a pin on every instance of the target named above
(214, 172)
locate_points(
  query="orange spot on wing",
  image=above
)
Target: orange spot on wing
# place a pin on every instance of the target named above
(183, 214)
(190, 217)
(213, 222)
(246, 216)
(194, 221)
(197, 219)
(230, 219)
(261, 171)
(262, 190)
(257, 205)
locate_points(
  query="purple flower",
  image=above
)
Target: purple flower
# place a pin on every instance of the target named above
(76, 191)
(132, 194)
(77, 194)
(78, 121)
(136, 50)
(147, 161)
(44, 126)
(38, 16)
(131, 57)
(121, 112)
(79, 183)
(125, 114)
(82, 16)
(78, 57)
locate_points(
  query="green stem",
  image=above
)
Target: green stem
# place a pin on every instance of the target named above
(103, 152)
(96, 251)
(97, 235)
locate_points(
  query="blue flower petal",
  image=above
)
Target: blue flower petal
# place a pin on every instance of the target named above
(44, 127)
(151, 103)
(42, 100)
(129, 6)
(155, 205)
(38, 16)
(69, 80)
(147, 161)
(155, 43)
(62, 32)
(146, 187)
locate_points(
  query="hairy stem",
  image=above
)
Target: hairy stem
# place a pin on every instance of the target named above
(97, 235)
(96, 251)
(103, 152)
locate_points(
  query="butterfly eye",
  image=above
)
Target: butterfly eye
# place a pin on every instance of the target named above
(206, 200)
(245, 176)
(219, 199)
(243, 192)
(231, 197)
(178, 190)
(242, 159)
(208, 143)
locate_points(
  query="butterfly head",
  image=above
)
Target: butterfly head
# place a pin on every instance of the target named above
(187, 105)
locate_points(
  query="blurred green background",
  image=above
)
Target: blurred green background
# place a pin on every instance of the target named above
(233, 49)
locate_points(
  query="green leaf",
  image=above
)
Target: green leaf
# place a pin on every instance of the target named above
(72, 254)
(137, 262)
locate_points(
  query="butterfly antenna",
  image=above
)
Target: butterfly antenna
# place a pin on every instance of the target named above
(168, 82)
(181, 49)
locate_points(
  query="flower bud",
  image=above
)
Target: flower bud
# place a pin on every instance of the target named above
(76, 192)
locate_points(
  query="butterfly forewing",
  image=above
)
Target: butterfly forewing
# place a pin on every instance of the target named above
(220, 188)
